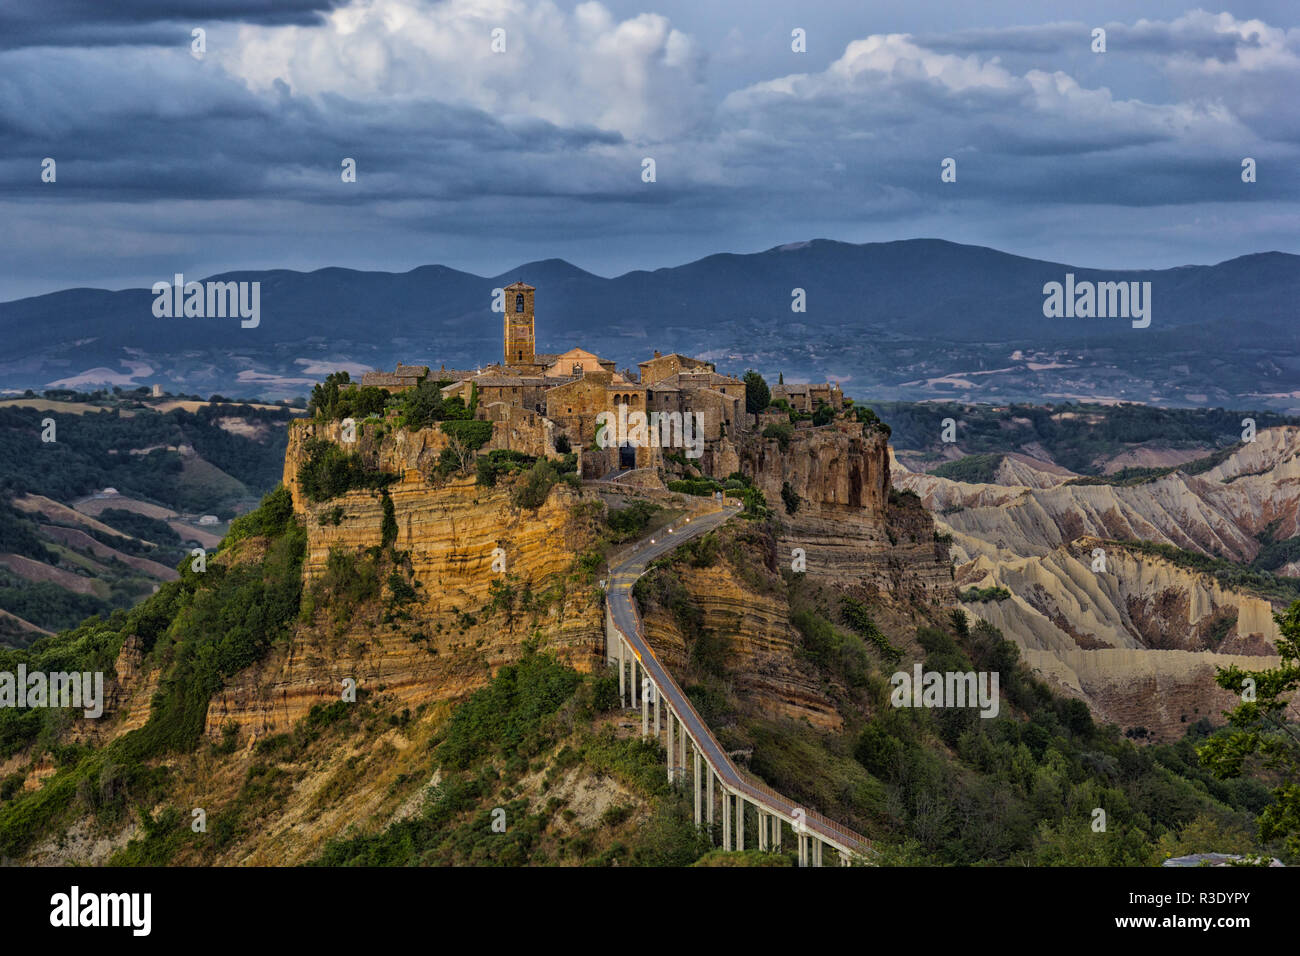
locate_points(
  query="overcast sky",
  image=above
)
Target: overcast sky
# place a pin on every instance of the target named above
(168, 162)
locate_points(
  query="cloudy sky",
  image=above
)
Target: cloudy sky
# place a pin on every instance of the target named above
(171, 162)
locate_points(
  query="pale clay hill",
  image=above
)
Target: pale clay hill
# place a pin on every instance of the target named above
(1134, 642)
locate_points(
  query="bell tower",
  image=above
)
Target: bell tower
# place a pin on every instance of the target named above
(520, 346)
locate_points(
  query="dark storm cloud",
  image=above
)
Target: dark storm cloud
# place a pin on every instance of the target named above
(168, 162)
(89, 23)
(1047, 38)
(1197, 38)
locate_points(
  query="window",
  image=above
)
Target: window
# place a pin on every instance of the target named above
(519, 302)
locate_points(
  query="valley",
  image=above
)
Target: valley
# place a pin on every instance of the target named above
(100, 515)
(466, 610)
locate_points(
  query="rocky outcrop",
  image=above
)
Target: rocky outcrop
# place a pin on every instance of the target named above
(487, 578)
(837, 470)
(751, 616)
(845, 521)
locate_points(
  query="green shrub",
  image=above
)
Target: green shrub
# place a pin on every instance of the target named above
(329, 471)
(781, 431)
(629, 522)
(530, 491)
(505, 716)
(270, 519)
(350, 579)
(700, 487)
(388, 527)
(472, 434)
(499, 462)
(856, 616)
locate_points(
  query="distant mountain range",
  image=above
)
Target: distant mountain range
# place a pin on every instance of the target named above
(910, 320)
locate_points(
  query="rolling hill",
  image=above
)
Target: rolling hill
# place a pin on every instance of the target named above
(913, 319)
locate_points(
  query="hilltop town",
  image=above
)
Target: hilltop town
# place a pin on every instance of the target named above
(562, 402)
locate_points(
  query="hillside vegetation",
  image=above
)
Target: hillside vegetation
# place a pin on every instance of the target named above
(218, 459)
(942, 785)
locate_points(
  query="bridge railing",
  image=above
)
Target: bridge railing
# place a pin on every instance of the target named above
(780, 802)
(850, 837)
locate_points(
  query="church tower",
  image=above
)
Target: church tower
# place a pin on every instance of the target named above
(520, 346)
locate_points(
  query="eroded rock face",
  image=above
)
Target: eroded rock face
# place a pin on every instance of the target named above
(836, 470)
(1162, 692)
(1220, 512)
(760, 645)
(452, 531)
(844, 522)
(463, 543)
(1141, 641)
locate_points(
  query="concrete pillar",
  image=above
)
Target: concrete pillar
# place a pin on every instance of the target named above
(726, 821)
(709, 800)
(634, 680)
(670, 750)
(762, 829)
(645, 709)
(622, 674)
(698, 786)
(803, 849)
(740, 822)
(682, 741)
(656, 716)
(817, 851)
(776, 834)
(844, 859)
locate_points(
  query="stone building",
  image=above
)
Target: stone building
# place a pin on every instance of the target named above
(409, 376)
(806, 397)
(662, 366)
(406, 376)
(547, 396)
(574, 362)
(520, 344)
(524, 391)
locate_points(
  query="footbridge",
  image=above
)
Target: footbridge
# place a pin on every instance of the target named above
(718, 786)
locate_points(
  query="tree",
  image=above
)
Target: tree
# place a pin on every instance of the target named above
(422, 405)
(457, 456)
(780, 378)
(1260, 731)
(757, 395)
(324, 396)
